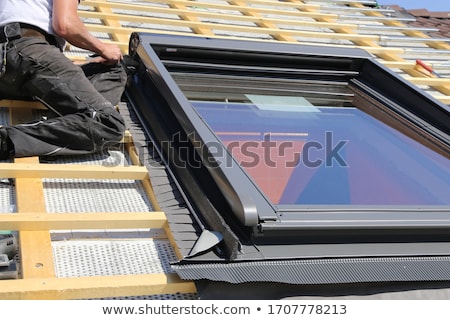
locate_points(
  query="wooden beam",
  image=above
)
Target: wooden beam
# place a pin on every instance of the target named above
(106, 9)
(236, 28)
(71, 171)
(94, 287)
(429, 81)
(263, 23)
(443, 99)
(21, 104)
(36, 254)
(64, 221)
(374, 50)
(404, 65)
(126, 137)
(146, 183)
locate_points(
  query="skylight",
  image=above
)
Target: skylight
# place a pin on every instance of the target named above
(281, 138)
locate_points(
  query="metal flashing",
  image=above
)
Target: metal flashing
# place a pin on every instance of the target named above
(322, 271)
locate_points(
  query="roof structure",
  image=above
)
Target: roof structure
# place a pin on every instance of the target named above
(97, 226)
(437, 20)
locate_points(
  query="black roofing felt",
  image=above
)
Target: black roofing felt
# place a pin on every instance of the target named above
(199, 200)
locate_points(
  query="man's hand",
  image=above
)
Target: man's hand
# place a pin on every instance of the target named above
(111, 54)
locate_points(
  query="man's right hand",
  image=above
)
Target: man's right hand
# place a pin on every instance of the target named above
(111, 54)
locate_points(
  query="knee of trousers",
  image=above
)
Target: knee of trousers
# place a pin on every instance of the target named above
(109, 127)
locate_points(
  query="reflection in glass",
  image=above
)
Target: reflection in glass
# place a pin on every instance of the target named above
(303, 142)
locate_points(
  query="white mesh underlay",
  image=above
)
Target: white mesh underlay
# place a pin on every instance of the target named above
(91, 195)
(83, 258)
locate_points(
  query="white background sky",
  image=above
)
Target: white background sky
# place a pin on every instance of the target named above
(431, 5)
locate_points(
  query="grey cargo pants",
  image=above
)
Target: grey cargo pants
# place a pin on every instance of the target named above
(82, 99)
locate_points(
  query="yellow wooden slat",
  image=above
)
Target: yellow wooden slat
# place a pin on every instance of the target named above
(442, 99)
(126, 137)
(93, 287)
(290, 5)
(429, 81)
(381, 51)
(237, 28)
(184, 14)
(263, 23)
(21, 104)
(64, 221)
(35, 246)
(104, 9)
(146, 183)
(71, 171)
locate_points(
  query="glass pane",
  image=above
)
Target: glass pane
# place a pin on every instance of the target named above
(313, 147)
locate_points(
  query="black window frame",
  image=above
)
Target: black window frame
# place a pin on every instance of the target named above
(240, 209)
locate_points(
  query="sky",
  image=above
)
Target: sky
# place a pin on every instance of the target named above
(431, 5)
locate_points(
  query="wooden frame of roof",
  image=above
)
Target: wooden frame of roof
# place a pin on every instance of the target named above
(289, 21)
(33, 223)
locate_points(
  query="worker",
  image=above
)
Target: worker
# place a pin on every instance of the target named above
(82, 98)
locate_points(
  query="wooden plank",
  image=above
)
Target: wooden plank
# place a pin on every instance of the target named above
(443, 99)
(237, 28)
(36, 258)
(106, 9)
(380, 51)
(126, 137)
(94, 287)
(71, 171)
(263, 23)
(35, 246)
(184, 14)
(21, 115)
(63, 221)
(403, 65)
(146, 183)
(292, 5)
(429, 81)
(21, 104)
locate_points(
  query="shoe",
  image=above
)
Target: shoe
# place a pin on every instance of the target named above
(5, 145)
